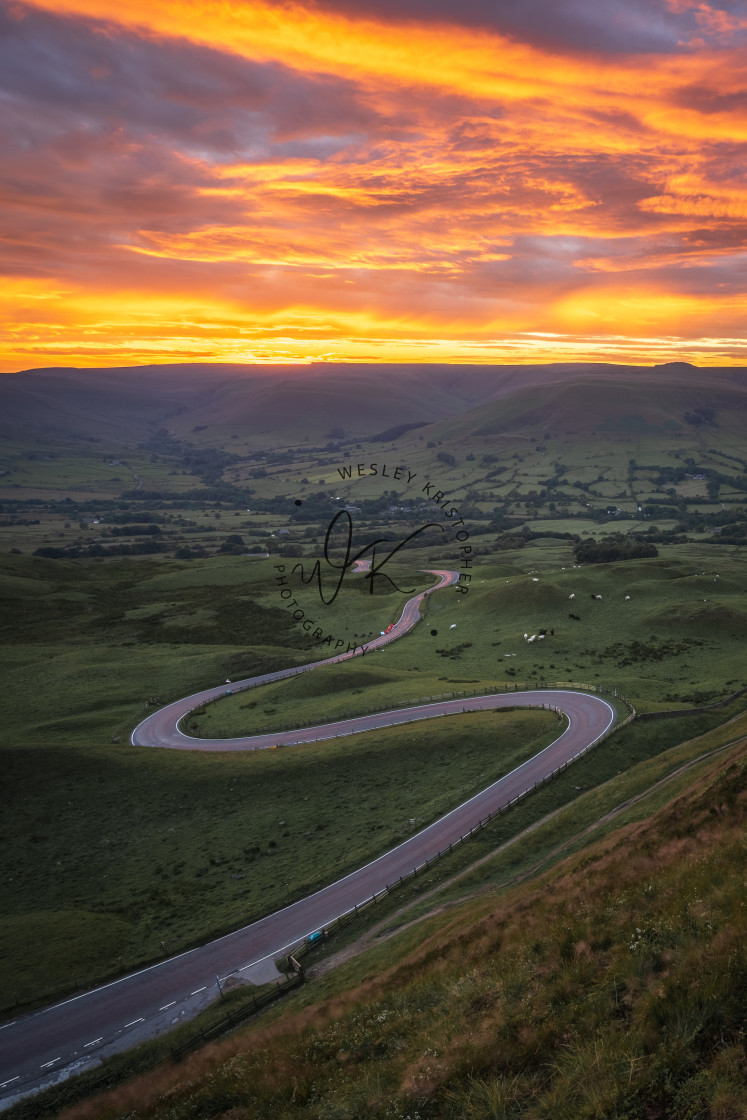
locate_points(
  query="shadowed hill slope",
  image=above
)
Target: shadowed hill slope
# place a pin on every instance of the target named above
(285, 404)
(613, 404)
(613, 986)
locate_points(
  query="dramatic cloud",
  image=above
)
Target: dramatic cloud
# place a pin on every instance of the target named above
(292, 181)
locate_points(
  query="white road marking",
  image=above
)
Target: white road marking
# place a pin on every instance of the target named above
(4, 1026)
(49, 1063)
(167, 1006)
(10, 1081)
(276, 951)
(132, 1024)
(94, 1043)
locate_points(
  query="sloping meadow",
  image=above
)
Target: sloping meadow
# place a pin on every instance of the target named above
(612, 987)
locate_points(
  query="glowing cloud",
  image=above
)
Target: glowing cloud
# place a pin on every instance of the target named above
(263, 181)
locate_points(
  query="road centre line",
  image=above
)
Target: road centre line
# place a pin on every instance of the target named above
(9, 1081)
(167, 1005)
(132, 1024)
(199, 990)
(95, 1041)
(49, 1063)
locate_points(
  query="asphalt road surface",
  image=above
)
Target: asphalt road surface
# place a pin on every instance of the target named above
(65, 1038)
(162, 728)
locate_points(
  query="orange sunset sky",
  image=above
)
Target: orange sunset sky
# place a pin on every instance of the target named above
(381, 180)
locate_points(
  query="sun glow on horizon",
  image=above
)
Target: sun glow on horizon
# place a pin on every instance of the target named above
(296, 183)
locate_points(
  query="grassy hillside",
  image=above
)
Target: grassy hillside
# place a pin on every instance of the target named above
(90, 647)
(98, 635)
(287, 404)
(142, 516)
(265, 403)
(177, 848)
(612, 986)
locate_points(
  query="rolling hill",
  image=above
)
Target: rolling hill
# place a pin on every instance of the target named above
(287, 404)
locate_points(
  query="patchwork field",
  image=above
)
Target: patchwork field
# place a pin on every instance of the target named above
(141, 565)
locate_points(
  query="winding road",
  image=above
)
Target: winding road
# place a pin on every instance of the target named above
(68, 1037)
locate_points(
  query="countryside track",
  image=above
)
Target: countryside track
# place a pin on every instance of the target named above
(64, 1037)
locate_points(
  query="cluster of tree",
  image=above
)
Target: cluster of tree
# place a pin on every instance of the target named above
(208, 463)
(612, 548)
(184, 552)
(233, 545)
(655, 509)
(136, 530)
(525, 535)
(734, 458)
(124, 517)
(695, 521)
(727, 480)
(730, 534)
(74, 552)
(665, 536)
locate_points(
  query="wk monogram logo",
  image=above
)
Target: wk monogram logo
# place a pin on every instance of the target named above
(341, 540)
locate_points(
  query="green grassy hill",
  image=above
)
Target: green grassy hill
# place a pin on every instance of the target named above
(613, 985)
(618, 403)
(285, 404)
(138, 567)
(211, 403)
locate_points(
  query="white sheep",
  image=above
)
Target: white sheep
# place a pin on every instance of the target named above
(532, 638)
(573, 596)
(626, 598)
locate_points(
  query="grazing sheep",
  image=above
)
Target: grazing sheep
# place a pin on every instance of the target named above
(596, 596)
(532, 638)
(573, 596)
(575, 617)
(626, 598)
(540, 637)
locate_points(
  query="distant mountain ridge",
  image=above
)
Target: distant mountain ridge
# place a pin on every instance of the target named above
(278, 404)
